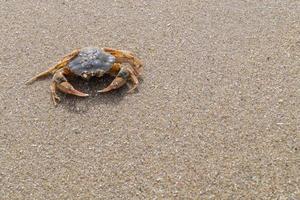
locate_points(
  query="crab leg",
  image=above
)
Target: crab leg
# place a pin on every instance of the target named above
(125, 73)
(62, 63)
(60, 82)
(126, 57)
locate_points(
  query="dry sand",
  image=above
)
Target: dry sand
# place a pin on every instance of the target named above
(216, 116)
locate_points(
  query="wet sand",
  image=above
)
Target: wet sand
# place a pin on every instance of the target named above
(216, 115)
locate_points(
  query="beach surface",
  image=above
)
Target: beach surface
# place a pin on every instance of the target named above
(216, 114)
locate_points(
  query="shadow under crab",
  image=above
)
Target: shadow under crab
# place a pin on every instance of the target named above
(81, 105)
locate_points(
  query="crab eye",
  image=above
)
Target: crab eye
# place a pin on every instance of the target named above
(84, 75)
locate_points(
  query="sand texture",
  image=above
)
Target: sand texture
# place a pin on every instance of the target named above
(216, 115)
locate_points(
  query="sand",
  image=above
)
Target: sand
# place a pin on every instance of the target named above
(216, 115)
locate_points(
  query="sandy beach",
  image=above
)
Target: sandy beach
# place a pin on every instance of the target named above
(216, 115)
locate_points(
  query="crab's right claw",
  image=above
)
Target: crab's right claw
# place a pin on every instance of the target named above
(60, 82)
(66, 87)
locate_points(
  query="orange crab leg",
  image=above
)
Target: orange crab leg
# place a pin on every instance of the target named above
(114, 69)
(125, 73)
(62, 63)
(126, 57)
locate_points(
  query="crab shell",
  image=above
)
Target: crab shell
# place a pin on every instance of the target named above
(91, 62)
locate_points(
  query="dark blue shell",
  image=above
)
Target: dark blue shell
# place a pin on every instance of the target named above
(92, 61)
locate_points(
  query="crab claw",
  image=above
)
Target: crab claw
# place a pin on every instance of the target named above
(69, 89)
(117, 82)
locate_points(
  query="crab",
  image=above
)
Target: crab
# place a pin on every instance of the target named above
(93, 62)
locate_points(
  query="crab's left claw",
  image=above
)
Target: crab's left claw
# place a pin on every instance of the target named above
(126, 73)
(117, 83)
